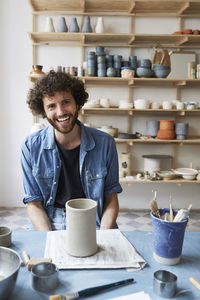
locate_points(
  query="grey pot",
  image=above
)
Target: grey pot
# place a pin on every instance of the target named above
(62, 26)
(101, 72)
(73, 27)
(86, 25)
(152, 128)
(181, 130)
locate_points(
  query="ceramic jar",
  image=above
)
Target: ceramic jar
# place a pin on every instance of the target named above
(152, 128)
(62, 26)
(81, 227)
(166, 131)
(126, 163)
(100, 25)
(181, 130)
(73, 27)
(49, 27)
(86, 25)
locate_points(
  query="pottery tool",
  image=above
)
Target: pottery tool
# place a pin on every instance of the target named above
(154, 206)
(182, 214)
(171, 214)
(91, 291)
(195, 282)
(33, 261)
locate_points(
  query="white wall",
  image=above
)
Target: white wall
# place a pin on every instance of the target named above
(16, 120)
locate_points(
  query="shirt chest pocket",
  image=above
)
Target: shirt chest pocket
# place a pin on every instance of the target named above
(93, 175)
(44, 177)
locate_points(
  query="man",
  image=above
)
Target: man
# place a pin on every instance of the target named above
(67, 160)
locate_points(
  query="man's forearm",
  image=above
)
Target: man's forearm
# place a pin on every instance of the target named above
(38, 216)
(110, 212)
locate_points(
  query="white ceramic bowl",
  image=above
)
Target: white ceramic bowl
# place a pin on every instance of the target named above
(141, 104)
(186, 173)
(166, 174)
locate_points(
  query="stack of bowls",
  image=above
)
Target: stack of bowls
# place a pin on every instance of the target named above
(133, 61)
(117, 64)
(161, 71)
(91, 64)
(101, 61)
(144, 68)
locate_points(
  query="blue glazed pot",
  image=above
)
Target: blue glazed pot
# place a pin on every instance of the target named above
(143, 72)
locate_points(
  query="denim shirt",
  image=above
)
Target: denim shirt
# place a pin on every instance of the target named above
(41, 164)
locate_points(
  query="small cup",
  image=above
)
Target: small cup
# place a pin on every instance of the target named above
(155, 105)
(167, 105)
(105, 102)
(5, 236)
(44, 276)
(165, 284)
(179, 105)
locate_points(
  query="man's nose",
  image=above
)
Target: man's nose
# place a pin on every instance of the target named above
(60, 110)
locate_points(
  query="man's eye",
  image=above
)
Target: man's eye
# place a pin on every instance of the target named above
(51, 106)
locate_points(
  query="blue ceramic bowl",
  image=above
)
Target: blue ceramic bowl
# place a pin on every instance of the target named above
(144, 63)
(161, 73)
(143, 72)
(160, 67)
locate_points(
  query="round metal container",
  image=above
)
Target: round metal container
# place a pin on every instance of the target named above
(9, 267)
(165, 284)
(5, 236)
(44, 276)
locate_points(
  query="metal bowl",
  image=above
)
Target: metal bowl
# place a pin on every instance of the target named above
(5, 236)
(10, 264)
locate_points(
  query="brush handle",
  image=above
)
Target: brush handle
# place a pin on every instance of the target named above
(98, 289)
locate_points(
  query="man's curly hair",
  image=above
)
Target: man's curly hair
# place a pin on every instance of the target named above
(55, 82)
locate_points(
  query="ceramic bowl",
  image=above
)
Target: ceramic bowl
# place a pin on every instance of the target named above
(166, 174)
(161, 71)
(144, 63)
(143, 72)
(141, 104)
(186, 173)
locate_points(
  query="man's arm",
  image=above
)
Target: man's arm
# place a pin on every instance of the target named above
(110, 211)
(38, 216)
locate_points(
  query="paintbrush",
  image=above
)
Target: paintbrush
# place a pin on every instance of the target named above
(33, 261)
(91, 291)
(154, 206)
(171, 214)
(182, 214)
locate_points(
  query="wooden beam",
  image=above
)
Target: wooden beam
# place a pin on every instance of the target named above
(31, 4)
(82, 6)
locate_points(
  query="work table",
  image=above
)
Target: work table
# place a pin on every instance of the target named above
(33, 243)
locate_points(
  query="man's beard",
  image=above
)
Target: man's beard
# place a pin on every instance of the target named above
(68, 128)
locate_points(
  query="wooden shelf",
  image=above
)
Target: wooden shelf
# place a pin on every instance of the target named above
(115, 39)
(188, 141)
(133, 111)
(176, 181)
(144, 7)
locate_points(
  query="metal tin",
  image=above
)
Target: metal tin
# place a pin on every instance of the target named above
(165, 284)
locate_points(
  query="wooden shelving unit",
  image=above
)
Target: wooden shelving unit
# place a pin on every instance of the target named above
(131, 9)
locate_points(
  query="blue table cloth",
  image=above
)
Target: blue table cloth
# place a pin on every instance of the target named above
(33, 242)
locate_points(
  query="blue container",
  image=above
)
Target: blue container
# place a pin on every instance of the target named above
(167, 239)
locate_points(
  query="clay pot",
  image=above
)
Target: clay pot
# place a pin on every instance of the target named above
(167, 124)
(81, 227)
(166, 131)
(86, 25)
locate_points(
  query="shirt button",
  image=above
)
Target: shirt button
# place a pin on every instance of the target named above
(54, 182)
(58, 167)
(97, 175)
(51, 197)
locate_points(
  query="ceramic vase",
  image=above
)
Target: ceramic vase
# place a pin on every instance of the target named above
(166, 131)
(100, 25)
(152, 128)
(81, 227)
(49, 27)
(86, 25)
(126, 163)
(181, 130)
(62, 26)
(73, 27)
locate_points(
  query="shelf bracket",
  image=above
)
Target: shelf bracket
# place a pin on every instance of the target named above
(182, 41)
(131, 81)
(181, 83)
(183, 8)
(132, 39)
(132, 6)
(181, 113)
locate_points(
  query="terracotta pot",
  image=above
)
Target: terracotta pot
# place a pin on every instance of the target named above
(167, 124)
(166, 134)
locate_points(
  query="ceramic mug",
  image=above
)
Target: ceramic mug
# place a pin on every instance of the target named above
(81, 227)
(167, 105)
(179, 105)
(155, 105)
(105, 102)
